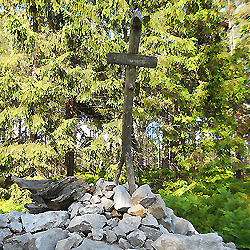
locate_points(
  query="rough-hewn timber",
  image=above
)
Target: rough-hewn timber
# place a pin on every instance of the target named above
(132, 60)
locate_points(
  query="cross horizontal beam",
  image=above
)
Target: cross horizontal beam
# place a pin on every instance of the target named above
(132, 60)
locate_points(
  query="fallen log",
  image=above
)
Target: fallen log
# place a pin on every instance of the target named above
(51, 194)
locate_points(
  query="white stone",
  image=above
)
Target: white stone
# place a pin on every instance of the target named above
(15, 226)
(48, 239)
(150, 221)
(94, 245)
(182, 226)
(107, 203)
(130, 224)
(97, 233)
(209, 241)
(74, 209)
(86, 197)
(119, 232)
(44, 221)
(3, 220)
(91, 209)
(86, 222)
(95, 199)
(112, 222)
(109, 185)
(4, 233)
(109, 194)
(122, 199)
(144, 196)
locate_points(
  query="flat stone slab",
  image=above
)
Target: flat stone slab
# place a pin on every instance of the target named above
(43, 221)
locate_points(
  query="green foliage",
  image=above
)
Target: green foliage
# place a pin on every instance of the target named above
(221, 205)
(18, 198)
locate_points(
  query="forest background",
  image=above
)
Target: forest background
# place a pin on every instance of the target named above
(190, 114)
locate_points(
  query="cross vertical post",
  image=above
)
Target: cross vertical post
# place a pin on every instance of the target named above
(131, 60)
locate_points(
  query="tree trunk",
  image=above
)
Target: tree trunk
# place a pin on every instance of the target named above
(70, 154)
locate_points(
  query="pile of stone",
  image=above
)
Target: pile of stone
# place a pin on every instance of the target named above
(109, 219)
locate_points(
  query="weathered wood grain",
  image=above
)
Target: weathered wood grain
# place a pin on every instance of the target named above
(132, 60)
(52, 195)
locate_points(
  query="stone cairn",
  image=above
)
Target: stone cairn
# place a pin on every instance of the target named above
(106, 217)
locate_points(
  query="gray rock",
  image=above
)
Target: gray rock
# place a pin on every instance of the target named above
(3, 220)
(14, 216)
(168, 223)
(91, 209)
(148, 244)
(150, 221)
(151, 233)
(109, 185)
(86, 222)
(15, 226)
(163, 229)
(48, 239)
(137, 238)
(112, 223)
(209, 241)
(111, 236)
(124, 244)
(130, 224)
(86, 197)
(122, 199)
(158, 208)
(127, 187)
(108, 215)
(4, 233)
(182, 226)
(119, 232)
(97, 233)
(143, 196)
(44, 221)
(94, 245)
(229, 246)
(74, 209)
(109, 194)
(19, 242)
(95, 199)
(107, 204)
(74, 239)
(99, 187)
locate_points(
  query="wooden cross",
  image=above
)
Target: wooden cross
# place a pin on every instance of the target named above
(132, 59)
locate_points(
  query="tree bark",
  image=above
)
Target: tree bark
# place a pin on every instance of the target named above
(70, 154)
